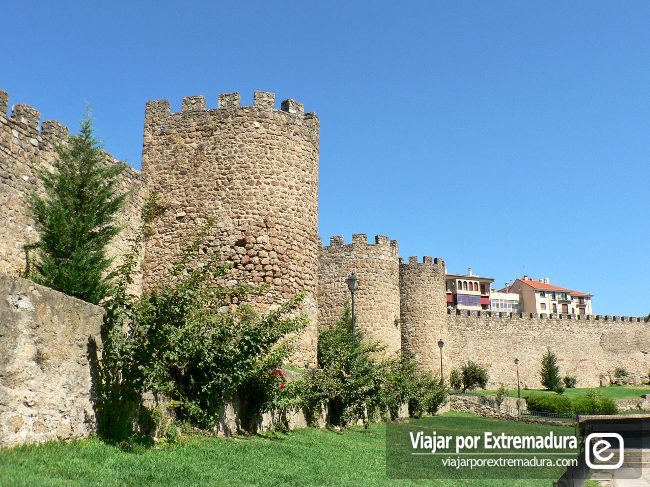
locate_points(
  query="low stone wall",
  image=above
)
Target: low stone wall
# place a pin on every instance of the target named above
(48, 350)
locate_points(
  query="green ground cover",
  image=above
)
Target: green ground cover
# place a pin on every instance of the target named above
(304, 457)
(613, 392)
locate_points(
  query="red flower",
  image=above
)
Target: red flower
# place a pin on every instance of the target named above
(282, 386)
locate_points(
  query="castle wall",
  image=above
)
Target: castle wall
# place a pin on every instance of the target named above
(47, 361)
(255, 170)
(587, 347)
(23, 149)
(377, 301)
(423, 309)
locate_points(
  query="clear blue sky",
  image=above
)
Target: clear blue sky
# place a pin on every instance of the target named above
(509, 137)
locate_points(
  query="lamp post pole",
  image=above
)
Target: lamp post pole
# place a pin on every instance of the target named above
(353, 285)
(518, 388)
(442, 376)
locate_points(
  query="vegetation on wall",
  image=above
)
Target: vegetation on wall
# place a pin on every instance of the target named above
(76, 219)
(186, 341)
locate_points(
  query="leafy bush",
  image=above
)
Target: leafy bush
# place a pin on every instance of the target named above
(400, 383)
(594, 403)
(430, 395)
(559, 388)
(549, 404)
(620, 372)
(349, 382)
(570, 381)
(182, 341)
(474, 376)
(550, 372)
(455, 380)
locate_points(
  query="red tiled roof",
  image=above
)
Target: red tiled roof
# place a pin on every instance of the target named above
(550, 287)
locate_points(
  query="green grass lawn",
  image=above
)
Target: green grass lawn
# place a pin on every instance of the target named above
(613, 392)
(304, 457)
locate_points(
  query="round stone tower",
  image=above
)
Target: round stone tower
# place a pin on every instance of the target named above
(377, 299)
(255, 170)
(423, 310)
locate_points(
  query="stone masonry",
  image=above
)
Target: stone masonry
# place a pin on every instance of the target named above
(423, 308)
(377, 303)
(254, 169)
(48, 346)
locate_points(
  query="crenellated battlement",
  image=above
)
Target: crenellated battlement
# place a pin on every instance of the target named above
(360, 241)
(426, 260)
(543, 316)
(229, 102)
(25, 119)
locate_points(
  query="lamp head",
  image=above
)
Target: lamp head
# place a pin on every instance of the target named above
(352, 282)
(441, 344)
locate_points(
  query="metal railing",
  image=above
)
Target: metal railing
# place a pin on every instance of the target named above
(521, 412)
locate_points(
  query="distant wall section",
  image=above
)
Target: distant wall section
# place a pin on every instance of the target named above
(588, 347)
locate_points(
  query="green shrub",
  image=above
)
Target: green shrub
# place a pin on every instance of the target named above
(430, 395)
(350, 382)
(177, 341)
(474, 376)
(620, 372)
(559, 388)
(570, 381)
(455, 380)
(548, 403)
(594, 403)
(550, 372)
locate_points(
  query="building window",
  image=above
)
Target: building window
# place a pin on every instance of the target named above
(464, 285)
(542, 294)
(542, 305)
(482, 288)
(554, 308)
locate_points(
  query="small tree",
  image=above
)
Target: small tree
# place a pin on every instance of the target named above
(550, 371)
(474, 376)
(76, 219)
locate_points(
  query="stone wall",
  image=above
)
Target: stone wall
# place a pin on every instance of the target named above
(587, 347)
(48, 346)
(423, 309)
(24, 148)
(377, 301)
(254, 169)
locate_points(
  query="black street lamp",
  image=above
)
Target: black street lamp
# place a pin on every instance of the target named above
(442, 377)
(518, 388)
(353, 285)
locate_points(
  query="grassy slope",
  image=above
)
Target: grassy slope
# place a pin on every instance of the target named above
(305, 457)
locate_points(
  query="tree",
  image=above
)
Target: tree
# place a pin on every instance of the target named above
(550, 371)
(474, 376)
(76, 219)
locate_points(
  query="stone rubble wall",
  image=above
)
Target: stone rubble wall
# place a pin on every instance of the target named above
(254, 169)
(24, 148)
(586, 347)
(48, 351)
(377, 301)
